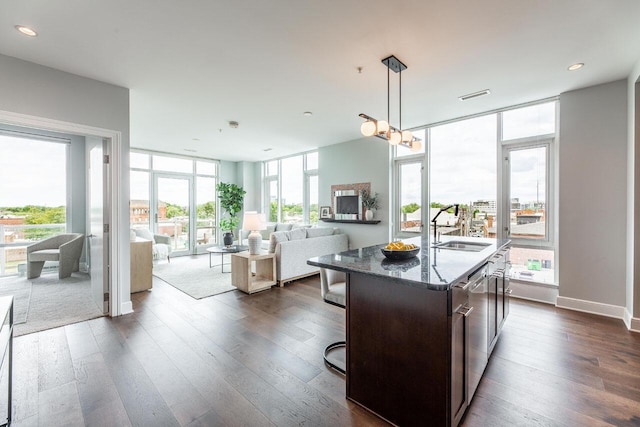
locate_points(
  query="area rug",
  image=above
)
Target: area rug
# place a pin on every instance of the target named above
(20, 290)
(194, 277)
(51, 302)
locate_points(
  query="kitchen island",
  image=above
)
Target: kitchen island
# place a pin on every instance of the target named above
(420, 331)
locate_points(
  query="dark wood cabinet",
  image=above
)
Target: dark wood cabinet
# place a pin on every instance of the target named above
(498, 295)
(459, 355)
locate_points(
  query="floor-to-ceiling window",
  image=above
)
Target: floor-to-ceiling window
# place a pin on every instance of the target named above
(291, 189)
(33, 194)
(527, 138)
(462, 171)
(175, 196)
(498, 168)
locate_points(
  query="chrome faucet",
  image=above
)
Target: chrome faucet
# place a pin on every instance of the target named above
(435, 236)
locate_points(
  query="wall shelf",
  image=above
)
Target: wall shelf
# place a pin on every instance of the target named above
(351, 221)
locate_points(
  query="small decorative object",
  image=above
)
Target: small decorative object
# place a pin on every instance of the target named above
(231, 198)
(399, 251)
(254, 222)
(400, 254)
(370, 202)
(325, 212)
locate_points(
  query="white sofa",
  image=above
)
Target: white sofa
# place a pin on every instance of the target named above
(293, 248)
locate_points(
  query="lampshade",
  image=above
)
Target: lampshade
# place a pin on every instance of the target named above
(416, 146)
(407, 136)
(368, 128)
(254, 221)
(395, 138)
(383, 127)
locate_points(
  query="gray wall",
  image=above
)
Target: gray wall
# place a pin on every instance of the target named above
(35, 90)
(592, 193)
(361, 160)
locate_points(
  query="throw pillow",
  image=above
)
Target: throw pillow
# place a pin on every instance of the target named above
(277, 237)
(266, 234)
(145, 233)
(297, 234)
(281, 226)
(319, 232)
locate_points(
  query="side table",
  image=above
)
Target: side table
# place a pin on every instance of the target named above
(248, 282)
(141, 264)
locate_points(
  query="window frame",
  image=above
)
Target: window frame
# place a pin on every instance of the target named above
(546, 141)
(194, 248)
(306, 189)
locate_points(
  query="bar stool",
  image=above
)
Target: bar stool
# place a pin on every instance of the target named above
(333, 286)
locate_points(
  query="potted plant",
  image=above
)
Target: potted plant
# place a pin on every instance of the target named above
(371, 203)
(231, 198)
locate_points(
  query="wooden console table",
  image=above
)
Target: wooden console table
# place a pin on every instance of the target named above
(242, 277)
(141, 264)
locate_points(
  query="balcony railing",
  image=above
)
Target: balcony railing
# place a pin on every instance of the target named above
(14, 240)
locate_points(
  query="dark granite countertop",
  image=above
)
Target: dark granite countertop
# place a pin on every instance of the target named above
(433, 268)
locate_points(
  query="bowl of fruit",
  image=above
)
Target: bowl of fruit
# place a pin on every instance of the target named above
(399, 250)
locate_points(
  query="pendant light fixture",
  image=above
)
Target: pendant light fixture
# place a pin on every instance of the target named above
(381, 128)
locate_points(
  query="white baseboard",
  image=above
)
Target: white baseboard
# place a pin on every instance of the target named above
(534, 292)
(126, 308)
(635, 324)
(607, 310)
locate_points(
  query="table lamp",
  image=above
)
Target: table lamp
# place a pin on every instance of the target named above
(254, 222)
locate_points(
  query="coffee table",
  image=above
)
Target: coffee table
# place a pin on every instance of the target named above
(225, 250)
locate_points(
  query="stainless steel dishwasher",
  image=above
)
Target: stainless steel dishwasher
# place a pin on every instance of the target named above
(478, 322)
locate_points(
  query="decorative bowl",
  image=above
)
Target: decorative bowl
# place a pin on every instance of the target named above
(399, 255)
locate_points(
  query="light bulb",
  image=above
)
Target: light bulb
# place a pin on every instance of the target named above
(383, 127)
(395, 138)
(416, 146)
(407, 136)
(368, 128)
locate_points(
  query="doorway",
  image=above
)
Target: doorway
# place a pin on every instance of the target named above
(44, 197)
(118, 248)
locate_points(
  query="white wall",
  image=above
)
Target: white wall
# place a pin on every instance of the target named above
(361, 160)
(592, 194)
(37, 91)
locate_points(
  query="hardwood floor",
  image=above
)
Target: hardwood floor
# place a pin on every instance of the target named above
(241, 360)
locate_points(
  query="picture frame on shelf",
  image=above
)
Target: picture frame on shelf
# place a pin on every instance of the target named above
(325, 212)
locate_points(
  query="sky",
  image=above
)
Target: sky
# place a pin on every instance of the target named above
(463, 158)
(32, 172)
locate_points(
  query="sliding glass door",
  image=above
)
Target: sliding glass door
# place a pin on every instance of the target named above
(172, 210)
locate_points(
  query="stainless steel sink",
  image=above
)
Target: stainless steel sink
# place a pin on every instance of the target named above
(458, 245)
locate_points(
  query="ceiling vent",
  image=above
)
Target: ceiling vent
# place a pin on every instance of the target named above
(474, 95)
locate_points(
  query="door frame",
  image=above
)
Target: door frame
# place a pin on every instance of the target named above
(118, 275)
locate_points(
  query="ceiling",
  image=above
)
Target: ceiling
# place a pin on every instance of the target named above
(192, 66)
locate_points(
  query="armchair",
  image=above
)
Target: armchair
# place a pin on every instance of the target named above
(64, 248)
(161, 247)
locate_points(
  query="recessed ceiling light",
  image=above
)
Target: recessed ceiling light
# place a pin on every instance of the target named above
(267, 149)
(474, 95)
(195, 139)
(26, 31)
(308, 113)
(575, 66)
